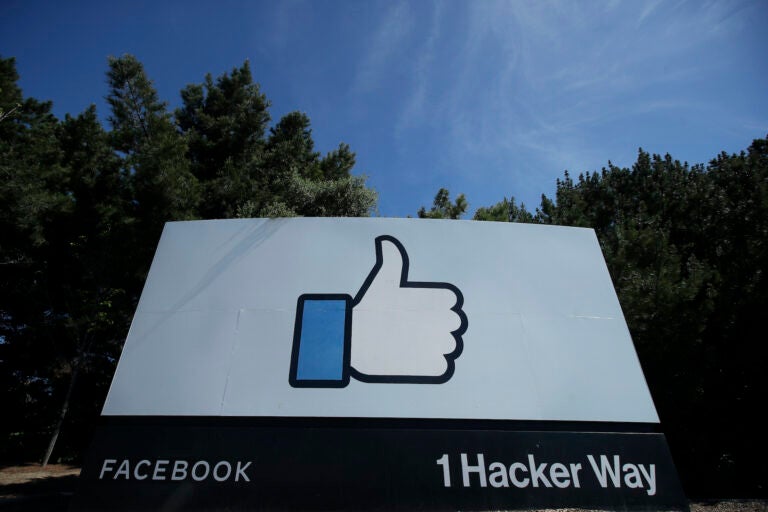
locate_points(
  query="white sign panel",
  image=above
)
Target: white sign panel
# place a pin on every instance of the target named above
(400, 318)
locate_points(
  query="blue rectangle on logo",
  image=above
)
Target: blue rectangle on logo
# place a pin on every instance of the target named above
(321, 356)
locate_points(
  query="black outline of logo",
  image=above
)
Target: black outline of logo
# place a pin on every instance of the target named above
(319, 383)
(348, 370)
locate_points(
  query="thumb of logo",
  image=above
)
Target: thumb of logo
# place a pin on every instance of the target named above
(393, 331)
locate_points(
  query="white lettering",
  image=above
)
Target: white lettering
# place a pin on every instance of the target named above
(216, 471)
(513, 469)
(650, 477)
(575, 468)
(179, 470)
(443, 461)
(537, 472)
(136, 474)
(604, 472)
(241, 471)
(631, 476)
(107, 466)
(200, 463)
(124, 469)
(466, 469)
(499, 476)
(559, 475)
(159, 473)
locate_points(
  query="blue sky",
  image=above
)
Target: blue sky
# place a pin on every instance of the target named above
(487, 98)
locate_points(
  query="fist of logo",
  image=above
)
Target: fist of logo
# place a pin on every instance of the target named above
(394, 330)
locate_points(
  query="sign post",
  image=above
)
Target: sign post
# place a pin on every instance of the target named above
(388, 364)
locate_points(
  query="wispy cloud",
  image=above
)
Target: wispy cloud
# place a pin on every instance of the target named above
(422, 80)
(386, 42)
(559, 69)
(647, 10)
(498, 94)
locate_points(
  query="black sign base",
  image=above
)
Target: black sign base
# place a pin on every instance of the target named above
(152, 463)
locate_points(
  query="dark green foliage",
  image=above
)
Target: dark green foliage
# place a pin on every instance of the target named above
(443, 208)
(30, 176)
(10, 94)
(687, 250)
(296, 180)
(63, 306)
(245, 174)
(156, 167)
(225, 122)
(290, 145)
(81, 210)
(505, 211)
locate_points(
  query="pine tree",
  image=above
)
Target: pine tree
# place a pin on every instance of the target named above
(297, 181)
(64, 307)
(32, 200)
(505, 211)
(81, 210)
(443, 208)
(225, 122)
(155, 160)
(89, 266)
(685, 246)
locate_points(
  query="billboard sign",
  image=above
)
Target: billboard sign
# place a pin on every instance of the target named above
(378, 363)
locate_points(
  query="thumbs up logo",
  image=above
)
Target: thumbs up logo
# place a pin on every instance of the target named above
(393, 331)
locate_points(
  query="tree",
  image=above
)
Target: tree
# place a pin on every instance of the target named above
(10, 93)
(443, 208)
(225, 122)
(63, 306)
(87, 264)
(246, 174)
(343, 197)
(32, 199)
(155, 163)
(81, 209)
(685, 246)
(290, 145)
(294, 180)
(505, 211)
